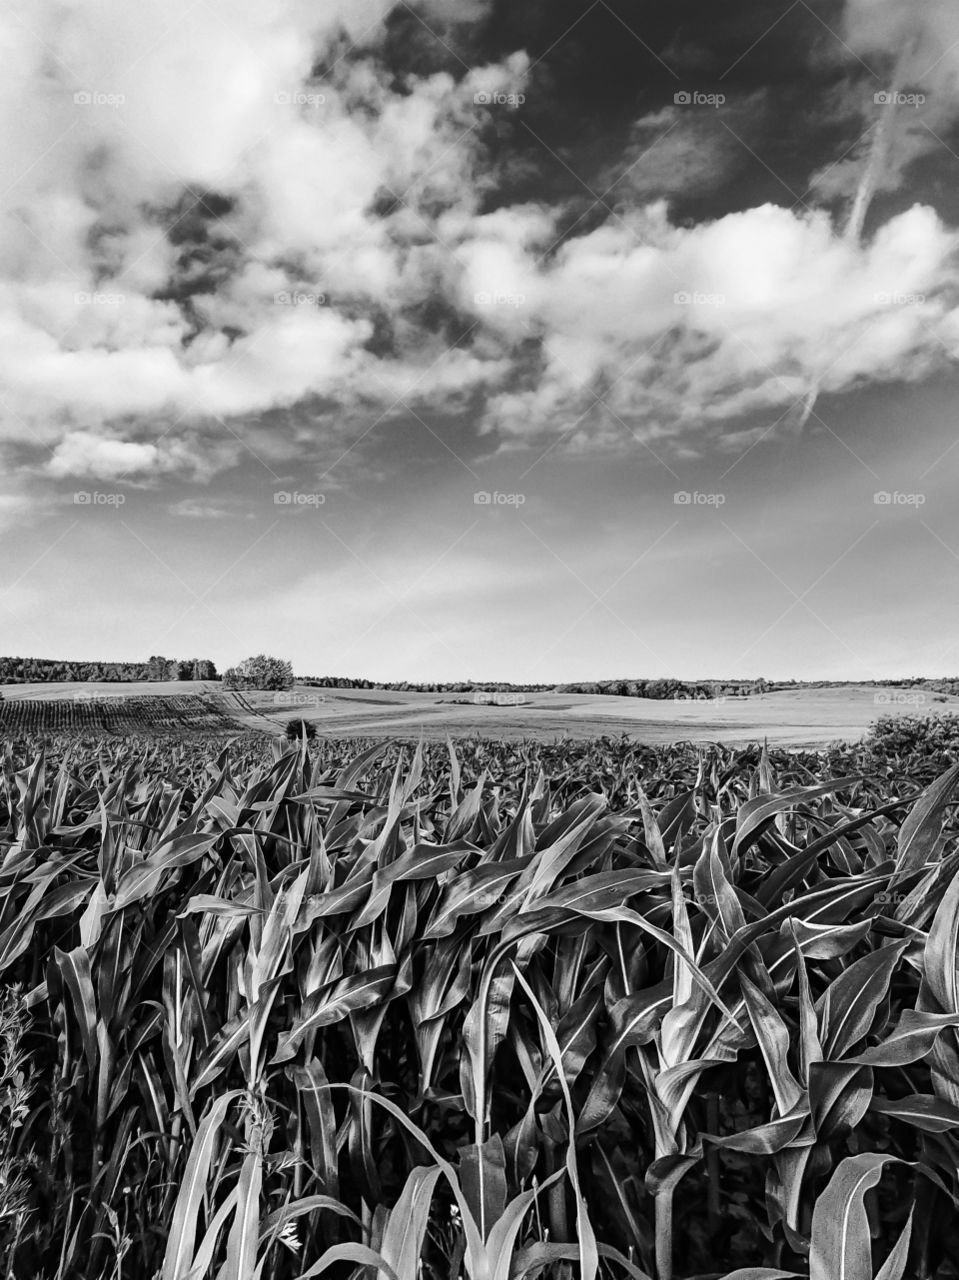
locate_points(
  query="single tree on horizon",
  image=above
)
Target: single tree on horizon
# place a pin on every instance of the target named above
(259, 672)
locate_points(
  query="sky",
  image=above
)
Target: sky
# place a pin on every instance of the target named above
(462, 339)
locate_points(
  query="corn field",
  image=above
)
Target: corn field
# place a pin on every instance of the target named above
(117, 714)
(481, 1012)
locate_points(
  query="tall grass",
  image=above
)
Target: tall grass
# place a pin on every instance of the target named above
(583, 1011)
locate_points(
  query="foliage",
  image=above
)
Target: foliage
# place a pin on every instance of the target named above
(296, 728)
(159, 668)
(15, 1091)
(930, 743)
(260, 672)
(657, 689)
(502, 1011)
(423, 686)
(44, 670)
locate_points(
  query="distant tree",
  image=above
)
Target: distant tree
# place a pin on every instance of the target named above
(159, 668)
(259, 672)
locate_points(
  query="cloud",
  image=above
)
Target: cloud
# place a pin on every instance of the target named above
(457, 10)
(204, 230)
(421, 611)
(16, 509)
(201, 228)
(919, 39)
(190, 509)
(912, 49)
(81, 453)
(680, 150)
(684, 326)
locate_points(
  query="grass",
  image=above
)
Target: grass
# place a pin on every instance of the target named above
(504, 1010)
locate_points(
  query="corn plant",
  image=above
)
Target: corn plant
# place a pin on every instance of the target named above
(477, 1013)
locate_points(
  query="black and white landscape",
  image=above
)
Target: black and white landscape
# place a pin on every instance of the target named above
(479, 640)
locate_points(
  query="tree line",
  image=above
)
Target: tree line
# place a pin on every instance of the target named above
(423, 686)
(44, 670)
(655, 688)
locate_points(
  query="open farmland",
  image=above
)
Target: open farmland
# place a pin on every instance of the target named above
(596, 1009)
(129, 713)
(800, 717)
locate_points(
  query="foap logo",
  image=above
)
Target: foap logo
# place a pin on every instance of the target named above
(897, 499)
(900, 299)
(84, 498)
(495, 98)
(299, 98)
(486, 299)
(84, 299)
(86, 698)
(299, 699)
(899, 698)
(685, 498)
(94, 98)
(893, 98)
(297, 298)
(285, 498)
(485, 699)
(693, 98)
(687, 298)
(496, 499)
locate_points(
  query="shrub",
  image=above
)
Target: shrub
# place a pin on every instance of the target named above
(923, 746)
(296, 728)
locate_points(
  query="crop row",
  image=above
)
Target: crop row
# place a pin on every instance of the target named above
(115, 714)
(509, 1011)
